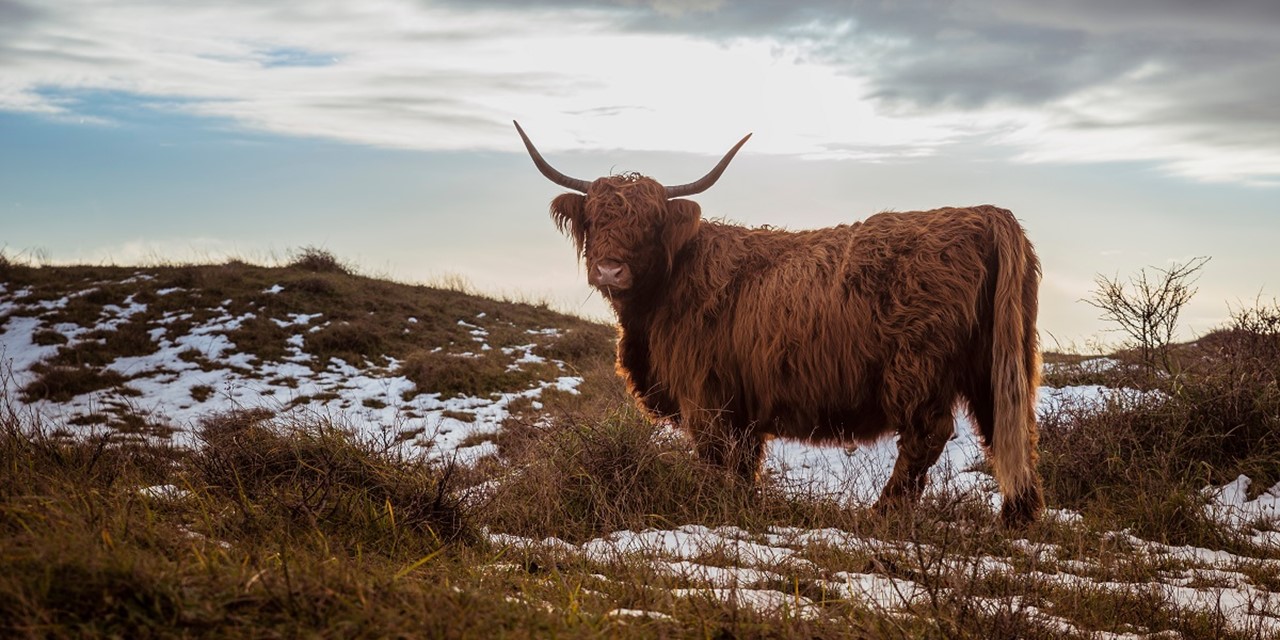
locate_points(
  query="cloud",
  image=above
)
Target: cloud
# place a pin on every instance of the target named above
(1187, 85)
(1190, 85)
(15, 15)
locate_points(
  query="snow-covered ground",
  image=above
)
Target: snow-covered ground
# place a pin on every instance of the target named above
(1200, 581)
(177, 392)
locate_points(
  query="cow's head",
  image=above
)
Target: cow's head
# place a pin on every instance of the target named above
(628, 228)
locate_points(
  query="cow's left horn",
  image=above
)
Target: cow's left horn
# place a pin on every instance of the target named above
(548, 170)
(705, 182)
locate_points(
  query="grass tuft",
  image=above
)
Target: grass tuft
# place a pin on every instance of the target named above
(61, 383)
(478, 375)
(316, 476)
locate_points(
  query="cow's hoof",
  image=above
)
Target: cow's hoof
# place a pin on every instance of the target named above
(1021, 510)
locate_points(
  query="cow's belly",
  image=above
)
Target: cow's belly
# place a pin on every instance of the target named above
(831, 425)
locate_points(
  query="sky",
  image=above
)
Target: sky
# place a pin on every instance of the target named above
(1123, 135)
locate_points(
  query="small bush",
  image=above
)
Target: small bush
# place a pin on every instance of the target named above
(101, 347)
(1148, 306)
(311, 258)
(186, 277)
(79, 311)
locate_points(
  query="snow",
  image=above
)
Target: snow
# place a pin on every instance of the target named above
(721, 577)
(696, 555)
(688, 542)
(855, 474)
(762, 600)
(296, 319)
(175, 391)
(164, 492)
(637, 613)
(18, 351)
(1229, 506)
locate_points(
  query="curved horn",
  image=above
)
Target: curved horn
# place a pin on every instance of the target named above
(550, 171)
(705, 182)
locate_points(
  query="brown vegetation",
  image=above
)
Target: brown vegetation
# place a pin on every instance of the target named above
(286, 525)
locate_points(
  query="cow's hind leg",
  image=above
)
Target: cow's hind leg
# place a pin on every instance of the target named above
(919, 447)
(1021, 506)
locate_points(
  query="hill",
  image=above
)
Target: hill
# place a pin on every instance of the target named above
(148, 352)
(222, 450)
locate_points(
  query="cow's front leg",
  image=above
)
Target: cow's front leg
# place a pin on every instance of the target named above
(919, 447)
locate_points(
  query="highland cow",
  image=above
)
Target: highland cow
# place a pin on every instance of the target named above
(832, 335)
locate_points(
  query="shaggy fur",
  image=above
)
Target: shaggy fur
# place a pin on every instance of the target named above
(830, 335)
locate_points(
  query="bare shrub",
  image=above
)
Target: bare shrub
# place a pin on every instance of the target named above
(1147, 307)
(261, 337)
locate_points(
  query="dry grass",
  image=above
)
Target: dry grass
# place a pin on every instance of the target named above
(61, 383)
(581, 478)
(1141, 460)
(283, 526)
(472, 374)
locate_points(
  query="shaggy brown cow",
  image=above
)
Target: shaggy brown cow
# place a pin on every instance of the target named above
(847, 333)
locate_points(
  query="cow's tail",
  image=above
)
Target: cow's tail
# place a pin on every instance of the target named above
(1015, 373)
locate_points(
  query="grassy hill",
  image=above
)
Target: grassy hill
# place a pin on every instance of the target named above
(237, 450)
(149, 351)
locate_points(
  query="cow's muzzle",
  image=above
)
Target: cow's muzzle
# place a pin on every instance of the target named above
(611, 275)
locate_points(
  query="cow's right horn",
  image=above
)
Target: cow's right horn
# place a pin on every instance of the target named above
(548, 170)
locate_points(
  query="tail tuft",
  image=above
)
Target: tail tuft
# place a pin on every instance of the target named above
(1015, 372)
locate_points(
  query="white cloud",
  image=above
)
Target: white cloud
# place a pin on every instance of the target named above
(395, 73)
(401, 75)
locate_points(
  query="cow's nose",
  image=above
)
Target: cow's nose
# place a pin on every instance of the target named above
(609, 275)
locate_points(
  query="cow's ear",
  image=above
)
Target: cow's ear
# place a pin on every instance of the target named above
(567, 212)
(681, 224)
